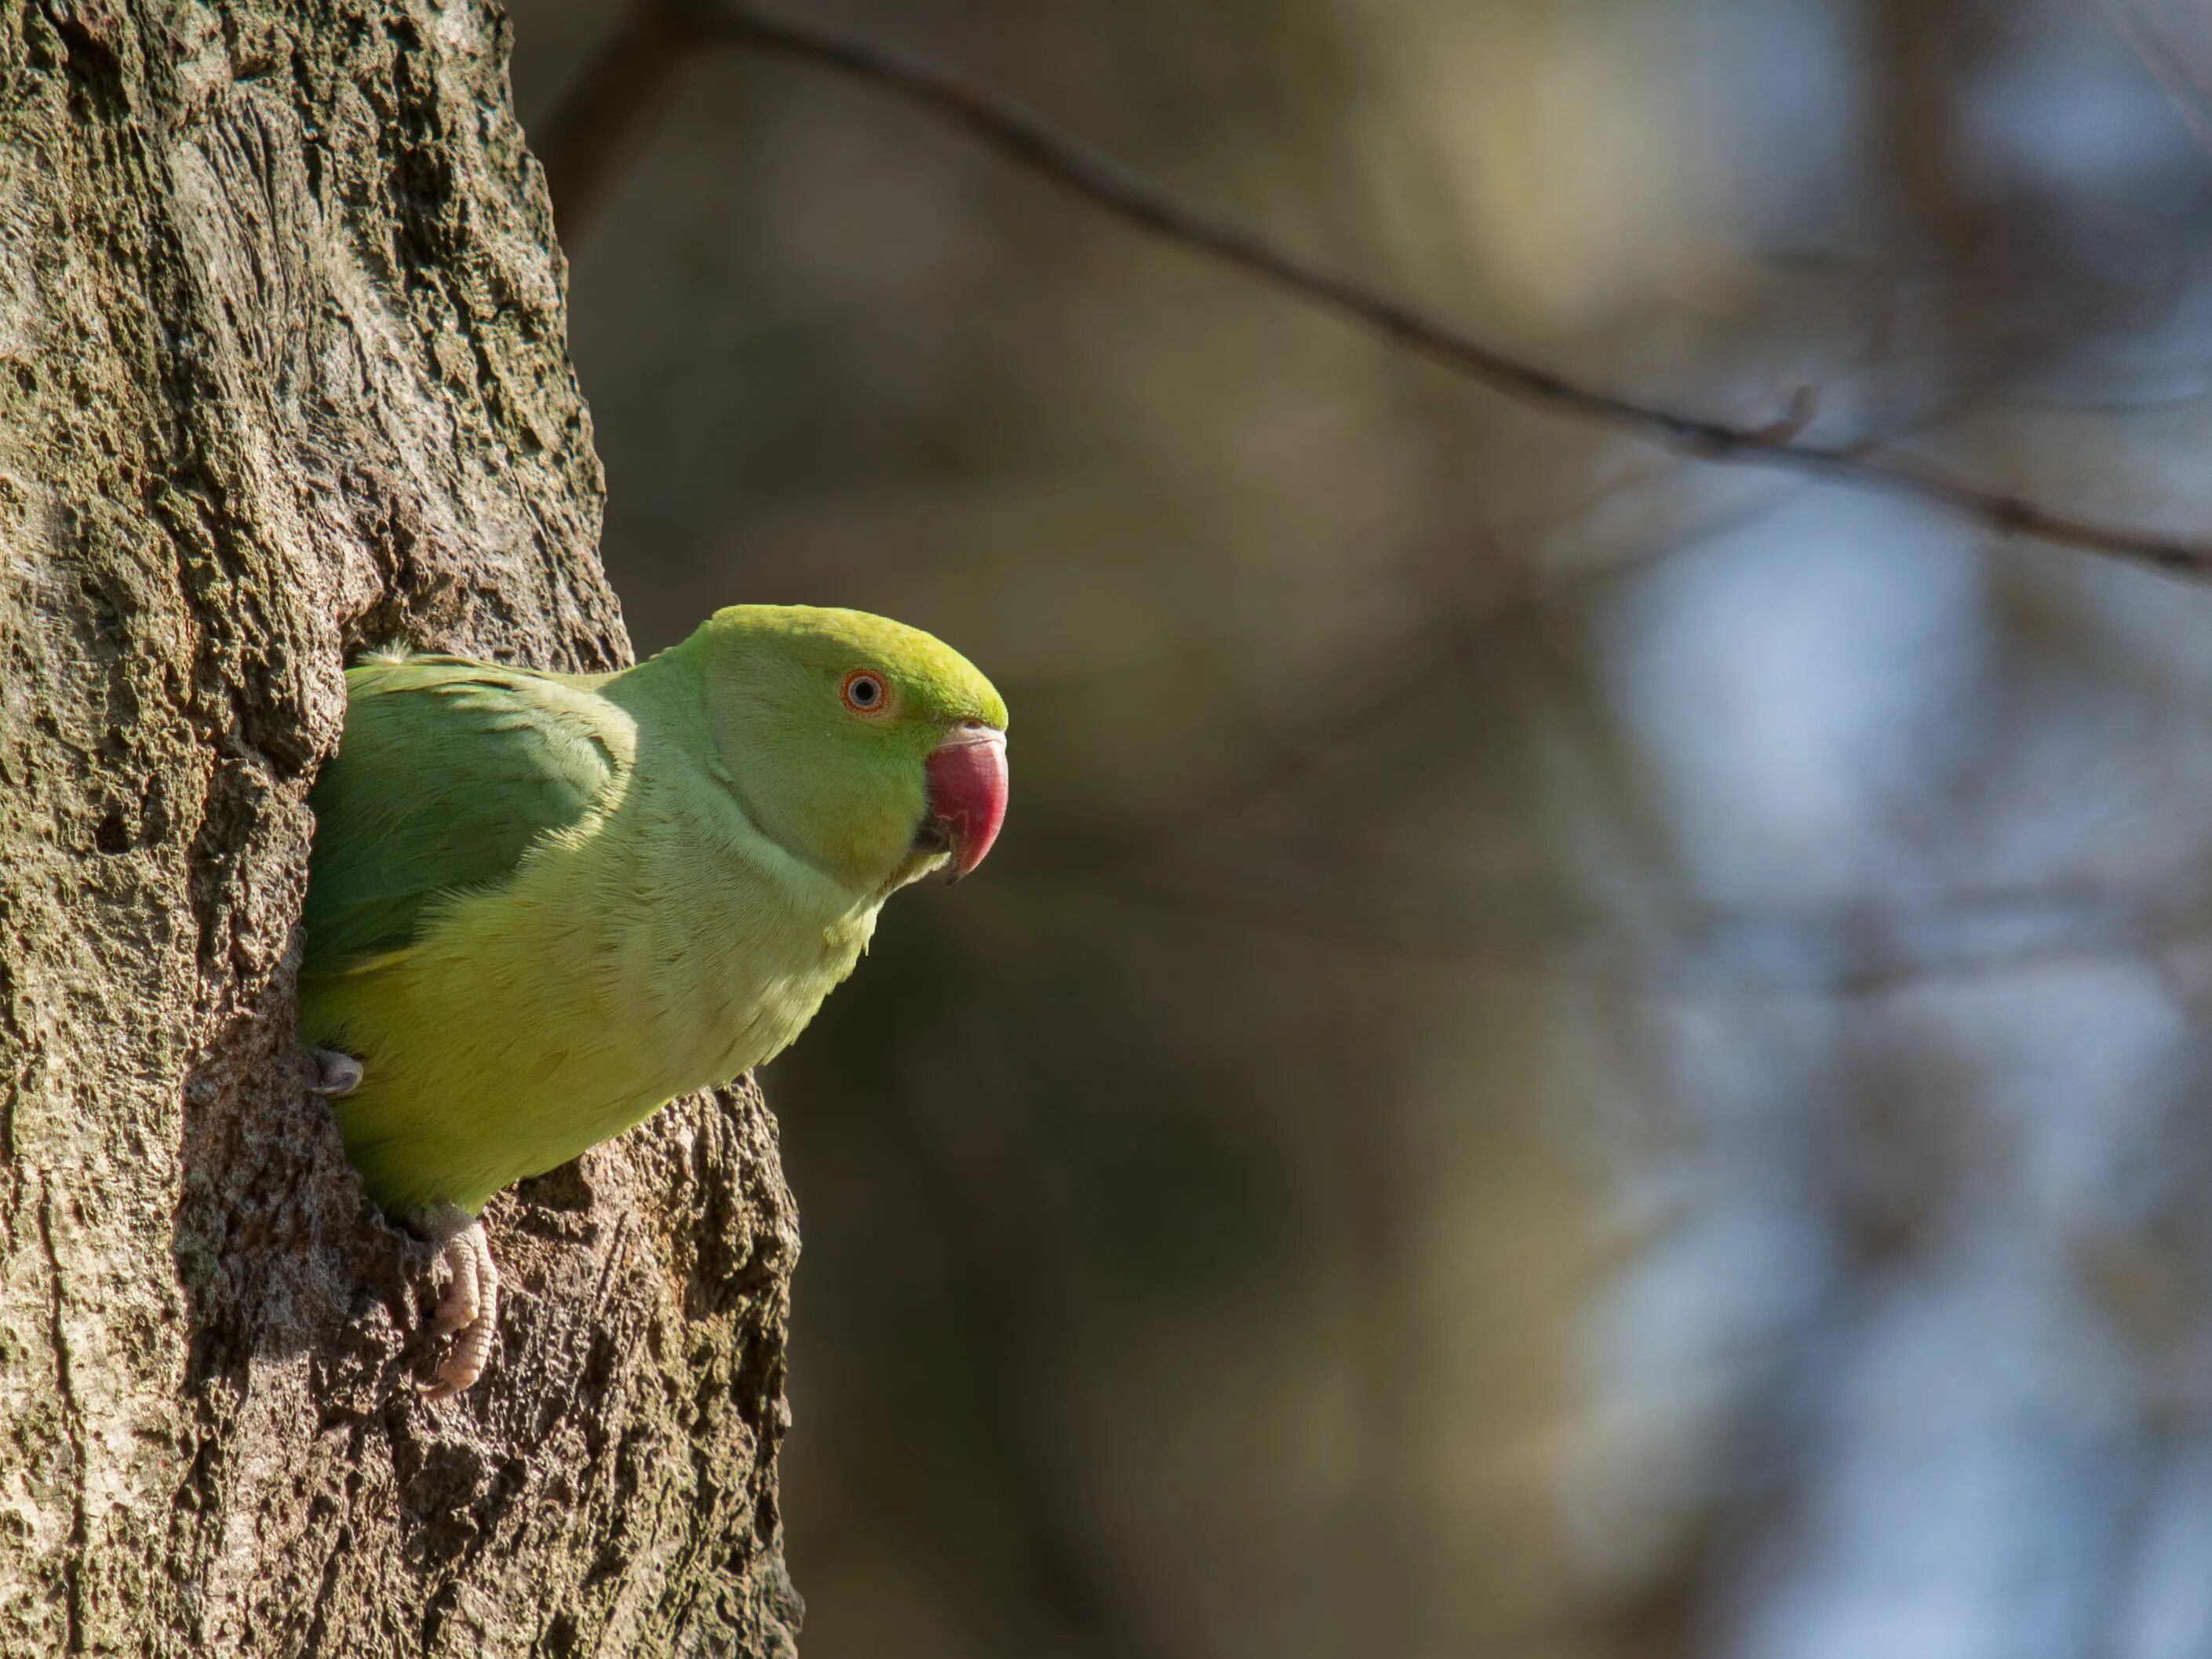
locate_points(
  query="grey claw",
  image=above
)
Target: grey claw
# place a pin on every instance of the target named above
(335, 1073)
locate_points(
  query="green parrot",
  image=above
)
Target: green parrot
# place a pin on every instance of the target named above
(541, 906)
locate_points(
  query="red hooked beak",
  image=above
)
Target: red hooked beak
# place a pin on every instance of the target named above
(967, 793)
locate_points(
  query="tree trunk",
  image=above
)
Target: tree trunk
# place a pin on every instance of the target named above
(283, 373)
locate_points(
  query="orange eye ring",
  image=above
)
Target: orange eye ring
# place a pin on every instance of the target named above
(866, 693)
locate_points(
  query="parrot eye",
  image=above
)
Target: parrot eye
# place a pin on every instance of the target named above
(865, 692)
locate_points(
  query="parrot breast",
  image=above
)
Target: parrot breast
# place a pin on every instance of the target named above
(665, 949)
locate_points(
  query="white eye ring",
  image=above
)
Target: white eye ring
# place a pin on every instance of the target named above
(865, 692)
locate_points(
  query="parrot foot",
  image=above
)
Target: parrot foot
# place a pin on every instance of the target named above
(335, 1073)
(468, 1310)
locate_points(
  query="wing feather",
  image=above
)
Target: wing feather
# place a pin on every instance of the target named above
(448, 772)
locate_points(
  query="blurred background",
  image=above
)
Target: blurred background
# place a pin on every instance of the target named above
(1569, 1051)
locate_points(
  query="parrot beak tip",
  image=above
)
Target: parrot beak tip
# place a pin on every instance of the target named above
(967, 794)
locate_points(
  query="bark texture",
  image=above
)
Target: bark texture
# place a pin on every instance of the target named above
(283, 374)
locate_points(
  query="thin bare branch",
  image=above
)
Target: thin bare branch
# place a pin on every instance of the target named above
(1030, 141)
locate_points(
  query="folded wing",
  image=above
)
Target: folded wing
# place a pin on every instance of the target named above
(449, 771)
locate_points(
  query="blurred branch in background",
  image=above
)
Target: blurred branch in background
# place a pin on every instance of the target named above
(1461, 627)
(604, 114)
(607, 115)
(1006, 1230)
(1576, 1054)
(2180, 73)
(1680, 949)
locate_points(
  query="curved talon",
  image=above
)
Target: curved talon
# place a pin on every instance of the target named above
(335, 1073)
(468, 1310)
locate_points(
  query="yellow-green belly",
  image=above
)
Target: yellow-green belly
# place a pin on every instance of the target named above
(532, 1022)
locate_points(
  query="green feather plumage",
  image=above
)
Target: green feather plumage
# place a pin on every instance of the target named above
(541, 906)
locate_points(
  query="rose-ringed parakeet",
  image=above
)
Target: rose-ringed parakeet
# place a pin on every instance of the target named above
(541, 906)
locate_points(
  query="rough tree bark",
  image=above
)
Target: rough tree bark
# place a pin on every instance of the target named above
(283, 373)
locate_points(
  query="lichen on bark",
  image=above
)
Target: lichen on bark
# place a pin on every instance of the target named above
(283, 373)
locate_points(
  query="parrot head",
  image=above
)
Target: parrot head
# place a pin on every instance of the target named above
(868, 748)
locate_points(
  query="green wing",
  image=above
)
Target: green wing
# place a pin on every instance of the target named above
(448, 771)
